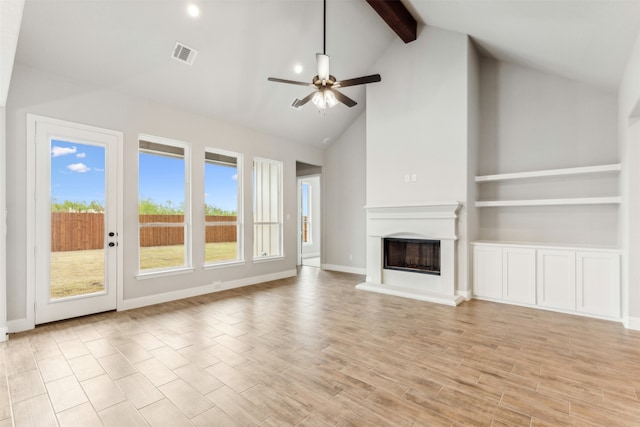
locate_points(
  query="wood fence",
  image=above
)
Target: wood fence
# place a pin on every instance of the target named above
(71, 231)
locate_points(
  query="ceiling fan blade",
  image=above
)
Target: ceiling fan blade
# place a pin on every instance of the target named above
(323, 66)
(344, 98)
(291, 82)
(300, 102)
(358, 81)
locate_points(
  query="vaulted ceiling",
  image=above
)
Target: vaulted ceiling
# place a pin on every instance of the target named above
(126, 46)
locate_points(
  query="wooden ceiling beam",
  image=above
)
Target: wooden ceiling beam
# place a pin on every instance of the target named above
(398, 17)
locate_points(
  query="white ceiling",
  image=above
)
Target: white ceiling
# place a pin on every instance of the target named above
(126, 46)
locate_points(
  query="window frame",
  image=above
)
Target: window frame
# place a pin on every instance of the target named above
(239, 223)
(280, 221)
(187, 265)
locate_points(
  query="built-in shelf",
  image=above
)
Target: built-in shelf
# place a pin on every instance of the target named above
(551, 202)
(551, 173)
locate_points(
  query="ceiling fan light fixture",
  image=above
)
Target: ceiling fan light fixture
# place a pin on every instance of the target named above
(318, 101)
(324, 99)
(330, 98)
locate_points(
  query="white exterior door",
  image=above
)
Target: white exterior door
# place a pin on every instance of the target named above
(76, 230)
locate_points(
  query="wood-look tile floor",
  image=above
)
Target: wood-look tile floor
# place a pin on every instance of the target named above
(314, 351)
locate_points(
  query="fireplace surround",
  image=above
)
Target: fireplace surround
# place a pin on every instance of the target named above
(410, 222)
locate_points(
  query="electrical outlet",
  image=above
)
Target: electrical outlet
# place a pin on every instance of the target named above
(406, 178)
(414, 177)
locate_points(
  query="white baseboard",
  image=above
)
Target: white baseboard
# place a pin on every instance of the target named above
(132, 303)
(631, 323)
(467, 295)
(4, 334)
(344, 269)
(19, 325)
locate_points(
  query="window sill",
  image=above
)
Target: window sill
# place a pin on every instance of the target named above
(223, 264)
(267, 259)
(162, 273)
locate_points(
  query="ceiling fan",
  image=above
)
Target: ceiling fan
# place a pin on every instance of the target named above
(325, 85)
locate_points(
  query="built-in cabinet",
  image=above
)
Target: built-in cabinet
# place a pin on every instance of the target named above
(598, 279)
(519, 275)
(556, 279)
(570, 279)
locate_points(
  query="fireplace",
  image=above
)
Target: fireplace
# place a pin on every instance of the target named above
(414, 255)
(422, 261)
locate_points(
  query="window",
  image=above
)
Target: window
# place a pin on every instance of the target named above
(222, 198)
(305, 190)
(267, 208)
(163, 205)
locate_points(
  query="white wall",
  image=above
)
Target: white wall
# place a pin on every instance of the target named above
(3, 225)
(344, 196)
(535, 121)
(35, 92)
(417, 123)
(473, 140)
(629, 143)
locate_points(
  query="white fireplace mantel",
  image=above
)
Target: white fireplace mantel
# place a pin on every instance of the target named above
(431, 221)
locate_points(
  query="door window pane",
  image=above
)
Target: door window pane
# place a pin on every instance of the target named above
(77, 257)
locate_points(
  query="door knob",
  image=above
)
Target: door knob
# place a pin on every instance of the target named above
(111, 244)
(111, 234)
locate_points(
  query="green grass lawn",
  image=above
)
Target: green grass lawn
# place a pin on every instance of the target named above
(82, 272)
(76, 273)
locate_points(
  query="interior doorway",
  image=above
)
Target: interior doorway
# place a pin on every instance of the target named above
(309, 215)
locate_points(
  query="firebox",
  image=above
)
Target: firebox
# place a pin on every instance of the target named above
(414, 255)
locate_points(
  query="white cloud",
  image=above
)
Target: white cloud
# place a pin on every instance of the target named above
(81, 155)
(78, 167)
(235, 177)
(62, 151)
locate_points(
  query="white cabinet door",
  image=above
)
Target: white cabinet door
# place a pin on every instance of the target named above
(487, 271)
(519, 275)
(598, 283)
(556, 279)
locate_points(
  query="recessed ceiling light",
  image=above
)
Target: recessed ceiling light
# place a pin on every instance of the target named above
(193, 10)
(297, 68)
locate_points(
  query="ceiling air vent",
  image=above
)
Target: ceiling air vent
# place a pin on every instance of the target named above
(184, 53)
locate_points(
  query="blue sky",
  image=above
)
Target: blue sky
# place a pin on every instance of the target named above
(162, 180)
(77, 174)
(221, 186)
